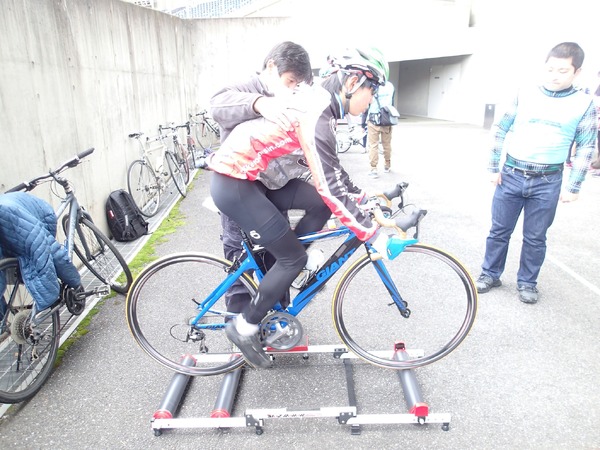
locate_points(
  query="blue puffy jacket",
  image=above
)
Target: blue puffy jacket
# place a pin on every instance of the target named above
(27, 232)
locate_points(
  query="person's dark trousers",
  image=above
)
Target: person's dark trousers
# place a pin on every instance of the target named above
(237, 296)
(538, 198)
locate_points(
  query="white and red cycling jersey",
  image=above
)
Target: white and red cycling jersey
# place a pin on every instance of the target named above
(258, 150)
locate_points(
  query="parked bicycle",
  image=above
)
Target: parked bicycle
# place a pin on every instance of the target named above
(147, 179)
(194, 154)
(348, 136)
(29, 338)
(424, 299)
(207, 130)
(179, 150)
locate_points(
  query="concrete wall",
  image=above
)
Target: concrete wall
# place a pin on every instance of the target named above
(79, 74)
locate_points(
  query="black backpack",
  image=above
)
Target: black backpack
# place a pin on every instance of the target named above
(124, 219)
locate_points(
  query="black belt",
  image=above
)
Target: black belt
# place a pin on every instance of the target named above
(534, 173)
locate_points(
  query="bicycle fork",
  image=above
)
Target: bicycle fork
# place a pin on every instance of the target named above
(389, 284)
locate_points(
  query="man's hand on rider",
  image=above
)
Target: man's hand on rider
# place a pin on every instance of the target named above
(380, 241)
(274, 110)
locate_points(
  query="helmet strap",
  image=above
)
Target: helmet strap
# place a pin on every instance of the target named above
(348, 94)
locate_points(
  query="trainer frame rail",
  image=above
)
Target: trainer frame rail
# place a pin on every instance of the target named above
(255, 417)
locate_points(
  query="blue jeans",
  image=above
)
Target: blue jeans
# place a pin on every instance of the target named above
(538, 198)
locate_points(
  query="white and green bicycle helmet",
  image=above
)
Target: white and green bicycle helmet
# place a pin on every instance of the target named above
(370, 63)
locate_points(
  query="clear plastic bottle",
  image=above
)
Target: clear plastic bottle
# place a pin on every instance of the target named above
(315, 260)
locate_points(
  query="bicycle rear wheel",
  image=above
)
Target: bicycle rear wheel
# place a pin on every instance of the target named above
(177, 173)
(441, 297)
(160, 307)
(344, 141)
(143, 187)
(27, 352)
(100, 255)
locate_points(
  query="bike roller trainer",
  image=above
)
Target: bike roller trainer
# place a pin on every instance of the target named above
(221, 415)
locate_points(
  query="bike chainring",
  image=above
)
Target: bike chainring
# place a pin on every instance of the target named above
(281, 330)
(75, 303)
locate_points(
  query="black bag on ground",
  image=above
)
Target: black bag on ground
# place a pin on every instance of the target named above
(124, 219)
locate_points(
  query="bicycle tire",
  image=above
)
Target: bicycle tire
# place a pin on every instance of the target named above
(193, 155)
(177, 175)
(159, 308)
(344, 141)
(208, 136)
(181, 158)
(143, 185)
(96, 251)
(24, 365)
(440, 294)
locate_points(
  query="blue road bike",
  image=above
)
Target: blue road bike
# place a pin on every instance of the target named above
(423, 299)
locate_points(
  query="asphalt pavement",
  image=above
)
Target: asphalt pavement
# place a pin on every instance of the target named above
(526, 377)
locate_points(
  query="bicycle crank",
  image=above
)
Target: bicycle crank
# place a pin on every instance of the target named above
(281, 331)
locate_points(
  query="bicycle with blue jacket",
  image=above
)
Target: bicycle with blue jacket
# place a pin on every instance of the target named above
(419, 298)
(30, 330)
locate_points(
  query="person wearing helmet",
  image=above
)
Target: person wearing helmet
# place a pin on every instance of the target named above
(257, 147)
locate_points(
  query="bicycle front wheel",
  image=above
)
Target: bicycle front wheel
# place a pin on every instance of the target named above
(143, 187)
(437, 290)
(176, 172)
(27, 351)
(181, 158)
(100, 255)
(161, 307)
(193, 155)
(209, 135)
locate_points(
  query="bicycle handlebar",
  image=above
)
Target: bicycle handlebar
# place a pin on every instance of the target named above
(73, 162)
(401, 224)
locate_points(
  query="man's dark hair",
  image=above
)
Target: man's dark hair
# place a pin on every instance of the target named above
(291, 57)
(567, 50)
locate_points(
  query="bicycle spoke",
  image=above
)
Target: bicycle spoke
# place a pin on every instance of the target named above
(100, 255)
(439, 294)
(27, 352)
(164, 301)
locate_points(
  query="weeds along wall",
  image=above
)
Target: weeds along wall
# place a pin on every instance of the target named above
(76, 74)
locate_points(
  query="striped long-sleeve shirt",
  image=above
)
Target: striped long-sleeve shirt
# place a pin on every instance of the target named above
(584, 136)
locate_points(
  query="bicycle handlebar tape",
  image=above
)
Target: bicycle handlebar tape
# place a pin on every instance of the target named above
(225, 397)
(412, 391)
(172, 398)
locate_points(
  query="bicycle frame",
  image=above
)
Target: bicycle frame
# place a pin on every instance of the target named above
(70, 201)
(314, 283)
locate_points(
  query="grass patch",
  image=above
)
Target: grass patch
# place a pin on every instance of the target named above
(147, 253)
(82, 330)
